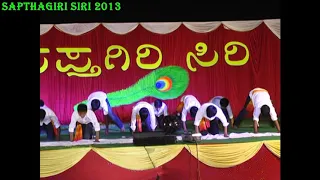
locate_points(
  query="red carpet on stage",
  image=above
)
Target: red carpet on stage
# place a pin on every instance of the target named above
(263, 166)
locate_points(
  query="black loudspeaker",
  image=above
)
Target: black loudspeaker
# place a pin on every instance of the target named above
(187, 137)
(153, 138)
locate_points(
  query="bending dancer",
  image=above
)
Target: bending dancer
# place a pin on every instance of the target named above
(143, 117)
(99, 100)
(85, 121)
(225, 106)
(207, 118)
(262, 107)
(50, 123)
(160, 110)
(42, 103)
(188, 104)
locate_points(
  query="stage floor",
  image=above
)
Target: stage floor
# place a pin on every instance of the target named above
(116, 138)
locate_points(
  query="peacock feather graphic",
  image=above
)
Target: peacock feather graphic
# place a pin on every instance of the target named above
(164, 83)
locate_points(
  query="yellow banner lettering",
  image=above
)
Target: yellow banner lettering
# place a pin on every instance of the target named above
(201, 49)
(79, 71)
(45, 64)
(233, 51)
(146, 54)
(119, 49)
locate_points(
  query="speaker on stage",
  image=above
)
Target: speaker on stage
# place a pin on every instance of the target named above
(153, 138)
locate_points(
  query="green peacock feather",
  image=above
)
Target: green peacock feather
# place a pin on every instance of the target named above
(164, 83)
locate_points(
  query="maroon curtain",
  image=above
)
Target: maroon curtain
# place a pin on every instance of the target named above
(61, 92)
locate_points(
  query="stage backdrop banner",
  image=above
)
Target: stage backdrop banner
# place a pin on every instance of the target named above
(218, 63)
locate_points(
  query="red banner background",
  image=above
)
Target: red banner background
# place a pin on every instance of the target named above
(61, 92)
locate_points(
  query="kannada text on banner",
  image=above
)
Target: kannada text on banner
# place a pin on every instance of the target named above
(143, 51)
(222, 62)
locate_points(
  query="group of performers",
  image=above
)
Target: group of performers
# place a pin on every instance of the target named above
(150, 116)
